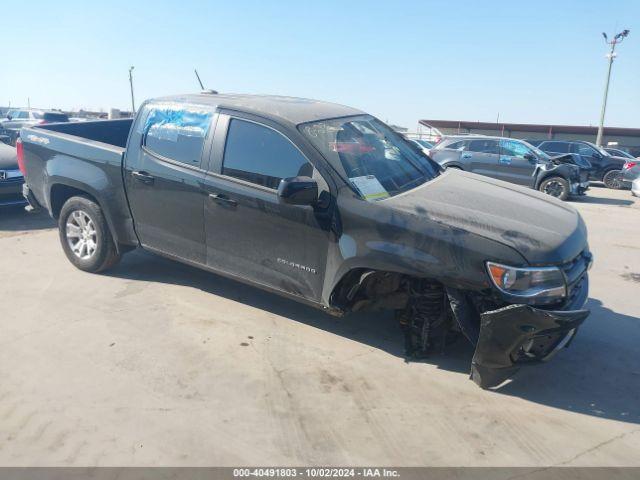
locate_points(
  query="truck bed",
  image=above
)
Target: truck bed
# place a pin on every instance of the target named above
(112, 132)
(83, 156)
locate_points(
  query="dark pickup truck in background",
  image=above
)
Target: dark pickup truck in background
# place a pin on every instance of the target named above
(324, 204)
(606, 168)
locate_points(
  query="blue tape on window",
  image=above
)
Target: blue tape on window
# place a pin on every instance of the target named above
(169, 123)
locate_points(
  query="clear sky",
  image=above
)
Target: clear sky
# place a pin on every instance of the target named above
(528, 61)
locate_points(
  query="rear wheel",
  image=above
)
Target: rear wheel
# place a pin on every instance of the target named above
(613, 179)
(85, 236)
(556, 187)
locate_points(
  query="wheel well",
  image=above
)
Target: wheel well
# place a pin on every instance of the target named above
(366, 289)
(551, 175)
(609, 169)
(61, 193)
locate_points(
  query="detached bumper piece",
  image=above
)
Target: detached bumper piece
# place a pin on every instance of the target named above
(519, 335)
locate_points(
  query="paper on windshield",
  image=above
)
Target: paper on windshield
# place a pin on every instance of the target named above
(369, 187)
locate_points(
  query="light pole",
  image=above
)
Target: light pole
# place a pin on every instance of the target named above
(133, 103)
(611, 55)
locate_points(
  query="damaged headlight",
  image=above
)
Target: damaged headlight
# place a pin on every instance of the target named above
(538, 284)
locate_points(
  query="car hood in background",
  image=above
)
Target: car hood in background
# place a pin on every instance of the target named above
(542, 229)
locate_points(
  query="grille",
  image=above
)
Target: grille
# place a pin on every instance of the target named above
(575, 271)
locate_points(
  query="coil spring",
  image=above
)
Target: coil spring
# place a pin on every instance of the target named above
(424, 319)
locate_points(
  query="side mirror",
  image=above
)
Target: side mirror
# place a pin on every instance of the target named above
(531, 157)
(9, 117)
(298, 191)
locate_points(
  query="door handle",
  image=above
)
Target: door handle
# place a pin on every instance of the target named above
(143, 177)
(222, 199)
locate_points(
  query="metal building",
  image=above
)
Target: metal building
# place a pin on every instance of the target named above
(624, 138)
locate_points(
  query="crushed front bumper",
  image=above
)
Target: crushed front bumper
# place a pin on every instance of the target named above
(519, 335)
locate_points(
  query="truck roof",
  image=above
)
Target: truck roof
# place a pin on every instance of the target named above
(279, 108)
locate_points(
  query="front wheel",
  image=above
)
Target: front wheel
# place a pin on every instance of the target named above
(556, 187)
(613, 179)
(85, 236)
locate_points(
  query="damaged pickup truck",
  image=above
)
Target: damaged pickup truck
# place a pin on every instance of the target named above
(324, 204)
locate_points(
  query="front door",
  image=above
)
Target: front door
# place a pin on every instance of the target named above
(518, 163)
(250, 234)
(164, 181)
(591, 155)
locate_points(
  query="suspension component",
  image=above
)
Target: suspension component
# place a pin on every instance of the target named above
(425, 320)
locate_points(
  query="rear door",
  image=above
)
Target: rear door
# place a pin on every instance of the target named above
(483, 157)
(250, 234)
(516, 168)
(164, 179)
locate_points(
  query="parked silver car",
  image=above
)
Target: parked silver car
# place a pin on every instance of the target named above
(630, 171)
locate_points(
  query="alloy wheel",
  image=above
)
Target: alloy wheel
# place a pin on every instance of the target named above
(81, 234)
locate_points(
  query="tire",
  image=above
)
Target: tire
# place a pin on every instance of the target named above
(85, 236)
(613, 179)
(556, 187)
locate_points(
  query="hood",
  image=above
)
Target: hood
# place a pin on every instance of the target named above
(542, 229)
(8, 157)
(571, 159)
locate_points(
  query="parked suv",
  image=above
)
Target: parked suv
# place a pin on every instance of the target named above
(606, 167)
(513, 161)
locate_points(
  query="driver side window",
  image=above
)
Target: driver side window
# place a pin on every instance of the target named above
(258, 154)
(513, 148)
(586, 150)
(483, 146)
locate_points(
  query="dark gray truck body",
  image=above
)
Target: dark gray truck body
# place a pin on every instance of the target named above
(422, 252)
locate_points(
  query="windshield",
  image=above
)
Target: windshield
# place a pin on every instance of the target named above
(375, 160)
(12, 113)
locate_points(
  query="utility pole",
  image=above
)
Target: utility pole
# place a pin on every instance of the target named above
(133, 103)
(611, 55)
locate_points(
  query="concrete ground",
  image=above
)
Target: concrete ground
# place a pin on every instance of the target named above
(162, 364)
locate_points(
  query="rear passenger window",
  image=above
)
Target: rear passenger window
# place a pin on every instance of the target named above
(177, 134)
(483, 146)
(555, 147)
(260, 155)
(455, 145)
